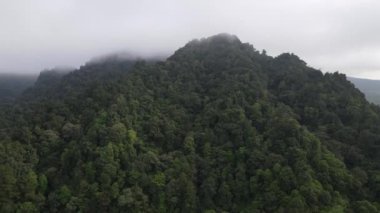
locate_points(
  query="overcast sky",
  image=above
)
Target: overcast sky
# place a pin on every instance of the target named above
(329, 35)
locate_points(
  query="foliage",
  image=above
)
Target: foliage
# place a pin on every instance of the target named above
(217, 127)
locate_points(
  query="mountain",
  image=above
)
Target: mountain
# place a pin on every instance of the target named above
(12, 85)
(371, 88)
(216, 127)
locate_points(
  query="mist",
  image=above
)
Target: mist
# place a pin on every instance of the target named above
(329, 35)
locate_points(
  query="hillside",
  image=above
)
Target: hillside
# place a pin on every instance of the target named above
(12, 85)
(371, 88)
(217, 127)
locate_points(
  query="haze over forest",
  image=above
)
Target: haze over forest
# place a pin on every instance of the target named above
(116, 106)
(330, 35)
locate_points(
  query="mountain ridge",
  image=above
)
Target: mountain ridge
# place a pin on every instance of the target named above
(218, 126)
(369, 87)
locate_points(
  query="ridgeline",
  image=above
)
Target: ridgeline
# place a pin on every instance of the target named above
(216, 127)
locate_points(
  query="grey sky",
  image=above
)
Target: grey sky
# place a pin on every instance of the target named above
(330, 35)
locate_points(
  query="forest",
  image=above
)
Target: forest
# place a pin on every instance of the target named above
(371, 88)
(216, 127)
(12, 86)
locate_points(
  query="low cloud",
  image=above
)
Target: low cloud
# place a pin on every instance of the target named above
(331, 35)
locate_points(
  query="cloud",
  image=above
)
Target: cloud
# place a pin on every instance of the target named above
(332, 35)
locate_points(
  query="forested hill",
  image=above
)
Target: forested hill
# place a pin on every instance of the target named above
(371, 88)
(12, 85)
(217, 127)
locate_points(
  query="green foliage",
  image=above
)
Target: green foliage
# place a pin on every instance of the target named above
(13, 85)
(217, 127)
(369, 87)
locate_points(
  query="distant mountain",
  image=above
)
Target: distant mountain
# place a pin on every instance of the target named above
(12, 85)
(216, 127)
(371, 88)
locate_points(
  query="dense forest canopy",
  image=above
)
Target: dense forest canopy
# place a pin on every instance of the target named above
(216, 127)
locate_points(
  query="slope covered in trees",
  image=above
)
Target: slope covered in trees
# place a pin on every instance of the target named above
(12, 85)
(371, 88)
(218, 126)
